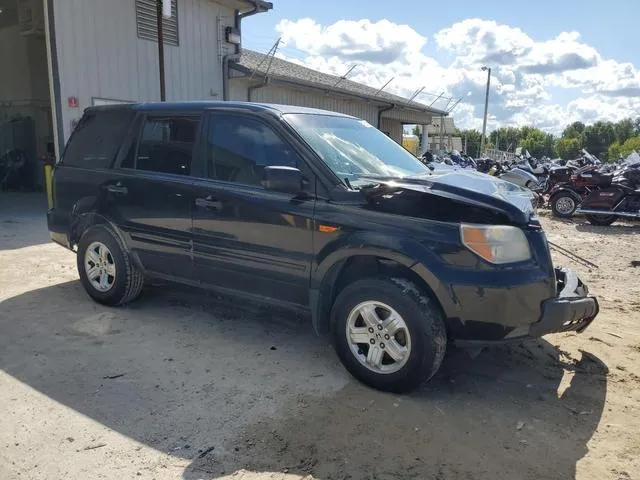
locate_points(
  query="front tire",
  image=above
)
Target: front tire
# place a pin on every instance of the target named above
(106, 271)
(388, 334)
(563, 205)
(601, 220)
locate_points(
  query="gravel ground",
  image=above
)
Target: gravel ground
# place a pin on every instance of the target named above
(183, 384)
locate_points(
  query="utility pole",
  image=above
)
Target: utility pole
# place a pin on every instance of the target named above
(465, 143)
(486, 108)
(163, 10)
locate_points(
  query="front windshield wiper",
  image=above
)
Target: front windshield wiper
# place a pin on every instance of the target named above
(362, 181)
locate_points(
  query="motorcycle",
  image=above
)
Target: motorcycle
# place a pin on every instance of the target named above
(622, 199)
(520, 177)
(565, 197)
(15, 171)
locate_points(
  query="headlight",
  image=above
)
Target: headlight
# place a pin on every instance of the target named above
(496, 243)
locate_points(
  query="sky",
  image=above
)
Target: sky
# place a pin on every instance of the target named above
(552, 62)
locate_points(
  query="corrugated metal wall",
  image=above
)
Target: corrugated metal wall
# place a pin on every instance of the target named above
(100, 54)
(237, 90)
(291, 96)
(393, 128)
(392, 120)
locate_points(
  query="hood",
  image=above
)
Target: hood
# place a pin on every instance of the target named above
(473, 188)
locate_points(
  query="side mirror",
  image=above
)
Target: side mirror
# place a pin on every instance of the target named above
(283, 179)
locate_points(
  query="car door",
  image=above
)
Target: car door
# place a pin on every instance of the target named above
(247, 238)
(150, 193)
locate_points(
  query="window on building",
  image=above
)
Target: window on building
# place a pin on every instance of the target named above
(96, 138)
(240, 148)
(147, 25)
(166, 145)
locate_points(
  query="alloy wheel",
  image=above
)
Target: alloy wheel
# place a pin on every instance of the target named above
(565, 205)
(100, 267)
(378, 337)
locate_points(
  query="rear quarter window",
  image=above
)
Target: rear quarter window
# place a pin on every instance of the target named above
(97, 138)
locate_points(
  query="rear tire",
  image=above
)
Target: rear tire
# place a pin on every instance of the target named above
(106, 271)
(412, 353)
(601, 220)
(563, 205)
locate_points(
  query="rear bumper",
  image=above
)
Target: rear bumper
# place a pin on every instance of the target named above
(572, 310)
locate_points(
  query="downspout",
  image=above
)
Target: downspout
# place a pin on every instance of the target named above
(381, 110)
(237, 22)
(258, 86)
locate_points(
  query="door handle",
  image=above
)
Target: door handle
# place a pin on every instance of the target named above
(118, 189)
(209, 203)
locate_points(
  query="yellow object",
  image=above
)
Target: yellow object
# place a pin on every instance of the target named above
(48, 176)
(411, 143)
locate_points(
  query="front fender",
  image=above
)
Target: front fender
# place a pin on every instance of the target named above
(565, 190)
(406, 252)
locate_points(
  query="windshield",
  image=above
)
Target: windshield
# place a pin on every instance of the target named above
(353, 148)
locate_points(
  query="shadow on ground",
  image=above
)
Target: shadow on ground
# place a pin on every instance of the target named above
(251, 388)
(618, 228)
(22, 220)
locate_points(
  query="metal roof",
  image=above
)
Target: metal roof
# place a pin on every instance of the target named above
(252, 62)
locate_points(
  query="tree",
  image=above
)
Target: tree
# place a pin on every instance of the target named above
(538, 143)
(473, 141)
(506, 138)
(614, 151)
(416, 131)
(624, 130)
(630, 145)
(575, 130)
(568, 148)
(598, 137)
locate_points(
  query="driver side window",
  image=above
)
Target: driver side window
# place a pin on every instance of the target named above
(239, 148)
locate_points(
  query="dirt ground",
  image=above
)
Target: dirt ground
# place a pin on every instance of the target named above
(183, 384)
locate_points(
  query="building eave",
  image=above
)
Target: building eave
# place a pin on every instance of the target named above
(260, 77)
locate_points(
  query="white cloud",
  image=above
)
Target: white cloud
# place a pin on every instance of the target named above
(379, 42)
(524, 71)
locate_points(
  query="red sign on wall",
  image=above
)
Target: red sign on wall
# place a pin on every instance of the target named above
(72, 102)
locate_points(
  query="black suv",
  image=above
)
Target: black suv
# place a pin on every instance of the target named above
(316, 211)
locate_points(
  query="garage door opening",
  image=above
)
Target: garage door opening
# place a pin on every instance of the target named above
(26, 124)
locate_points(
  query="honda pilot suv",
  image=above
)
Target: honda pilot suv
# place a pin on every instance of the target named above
(316, 211)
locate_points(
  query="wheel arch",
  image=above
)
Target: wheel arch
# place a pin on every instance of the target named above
(343, 267)
(83, 221)
(568, 191)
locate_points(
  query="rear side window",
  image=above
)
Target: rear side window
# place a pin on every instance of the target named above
(97, 138)
(166, 145)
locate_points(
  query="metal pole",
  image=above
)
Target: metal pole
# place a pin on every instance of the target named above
(163, 89)
(437, 98)
(383, 87)
(343, 77)
(441, 132)
(486, 109)
(465, 143)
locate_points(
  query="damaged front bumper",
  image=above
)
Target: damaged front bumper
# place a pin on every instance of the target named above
(572, 310)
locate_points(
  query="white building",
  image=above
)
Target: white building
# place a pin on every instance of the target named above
(256, 77)
(441, 135)
(58, 57)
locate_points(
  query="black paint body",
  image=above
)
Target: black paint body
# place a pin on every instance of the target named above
(289, 249)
